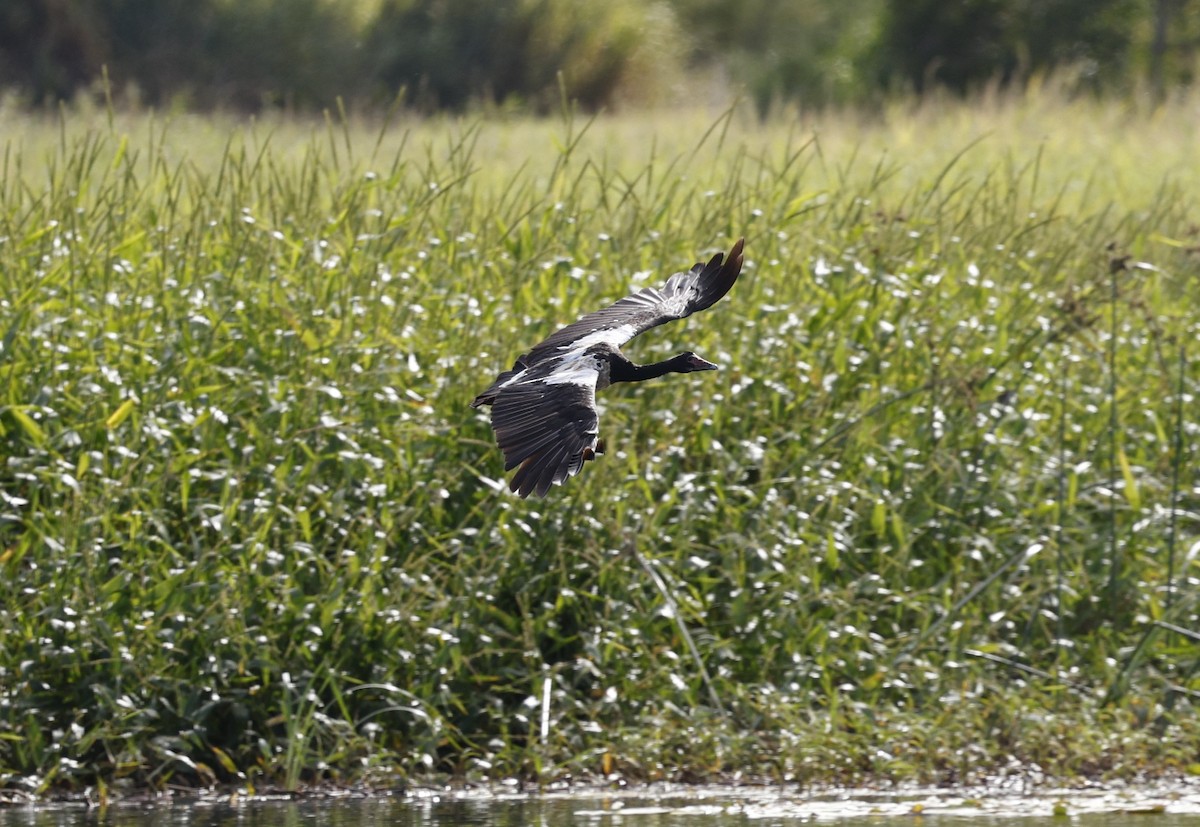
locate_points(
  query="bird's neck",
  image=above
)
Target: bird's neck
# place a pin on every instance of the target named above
(623, 370)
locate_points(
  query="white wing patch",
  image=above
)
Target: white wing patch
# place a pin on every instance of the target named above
(514, 380)
(615, 336)
(576, 369)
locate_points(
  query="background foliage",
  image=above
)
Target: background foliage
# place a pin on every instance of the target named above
(935, 518)
(304, 54)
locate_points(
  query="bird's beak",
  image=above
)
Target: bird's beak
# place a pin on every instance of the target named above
(702, 364)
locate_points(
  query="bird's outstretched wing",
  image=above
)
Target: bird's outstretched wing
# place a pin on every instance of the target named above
(683, 294)
(547, 425)
(544, 409)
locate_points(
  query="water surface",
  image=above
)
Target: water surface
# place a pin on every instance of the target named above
(678, 807)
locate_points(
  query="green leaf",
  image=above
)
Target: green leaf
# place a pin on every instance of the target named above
(28, 425)
(224, 760)
(831, 552)
(898, 528)
(879, 519)
(1131, 488)
(120, 414)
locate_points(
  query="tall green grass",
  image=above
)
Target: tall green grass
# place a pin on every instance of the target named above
(934, 517)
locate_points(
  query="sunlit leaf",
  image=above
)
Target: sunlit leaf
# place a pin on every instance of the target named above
(831, 552)
(879, 519)
(120, 414)
(27, 424)
(1130, 488)
(224, 760)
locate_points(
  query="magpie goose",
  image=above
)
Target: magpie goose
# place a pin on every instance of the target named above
(544, 409)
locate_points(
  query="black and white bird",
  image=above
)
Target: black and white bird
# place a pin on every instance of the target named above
(544, 409)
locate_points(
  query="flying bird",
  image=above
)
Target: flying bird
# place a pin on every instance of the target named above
(544, 409)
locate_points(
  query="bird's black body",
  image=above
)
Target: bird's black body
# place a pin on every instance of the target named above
(544, 408)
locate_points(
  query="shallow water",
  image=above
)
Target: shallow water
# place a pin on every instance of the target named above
(677, 807)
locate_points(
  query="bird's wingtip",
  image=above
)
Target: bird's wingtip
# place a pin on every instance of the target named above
(735, 253)
(732, 264)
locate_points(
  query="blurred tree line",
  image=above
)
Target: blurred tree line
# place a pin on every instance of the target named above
(250, 54)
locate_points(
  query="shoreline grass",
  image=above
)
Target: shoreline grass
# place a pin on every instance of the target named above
(933, 519)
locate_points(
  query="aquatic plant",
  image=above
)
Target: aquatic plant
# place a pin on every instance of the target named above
(935, 521)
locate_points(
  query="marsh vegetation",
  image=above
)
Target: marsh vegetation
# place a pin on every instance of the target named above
(934, 518)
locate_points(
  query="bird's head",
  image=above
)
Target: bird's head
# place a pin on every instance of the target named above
(689, 362)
